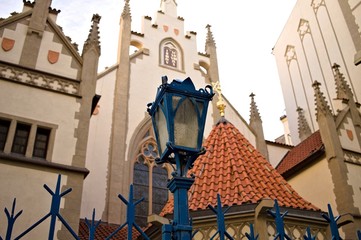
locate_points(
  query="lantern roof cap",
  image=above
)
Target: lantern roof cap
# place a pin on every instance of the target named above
(186, 86)
(183, 87)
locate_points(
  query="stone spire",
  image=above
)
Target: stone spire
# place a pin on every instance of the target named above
(255, 123)
(126, 10)
(343, 90)
(254, 116)
(322, 107)
(117, 159)
(221, 105)
(304, 130)
(212, 73)
(209, 39)
(93, 37)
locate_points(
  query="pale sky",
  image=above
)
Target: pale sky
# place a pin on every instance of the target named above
(245, 33)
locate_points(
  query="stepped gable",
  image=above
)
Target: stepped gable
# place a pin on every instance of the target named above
(233, 168)
(301, 154)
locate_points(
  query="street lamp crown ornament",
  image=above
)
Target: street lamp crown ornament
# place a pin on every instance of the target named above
(178, 115)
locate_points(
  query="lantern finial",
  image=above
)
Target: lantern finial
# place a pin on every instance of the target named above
(221, 105)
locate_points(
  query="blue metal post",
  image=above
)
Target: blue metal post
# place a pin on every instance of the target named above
(167, 230)
(179, 186)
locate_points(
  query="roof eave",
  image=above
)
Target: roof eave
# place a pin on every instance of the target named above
(315, 156)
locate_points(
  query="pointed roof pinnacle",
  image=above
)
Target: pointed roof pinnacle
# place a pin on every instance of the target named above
(320, 101)
(221, 105)
(343, 90)
(93, 37)
(254, 110)
(126, 10)
(304, 130)
(209, 39)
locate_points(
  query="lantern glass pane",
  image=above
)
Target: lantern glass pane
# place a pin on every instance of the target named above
(175, 101)
(200, 105)
(186, 125)
(162, 129)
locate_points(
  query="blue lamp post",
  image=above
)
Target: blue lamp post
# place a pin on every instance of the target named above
(178, 115)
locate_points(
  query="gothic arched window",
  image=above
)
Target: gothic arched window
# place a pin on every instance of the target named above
(150, 182)
(171, 55)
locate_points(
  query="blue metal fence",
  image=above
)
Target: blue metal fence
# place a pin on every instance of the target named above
(92, 225)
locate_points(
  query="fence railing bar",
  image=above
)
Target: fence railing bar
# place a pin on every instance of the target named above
(251, 235)
(92, 226)
(309, 235)
(54, 212)
(32, 227)
(117, 230)
(332, 220)
(11, 220)
(220, 220)
(130, 215)
(68, 227)
(166, 229)
(279, 219)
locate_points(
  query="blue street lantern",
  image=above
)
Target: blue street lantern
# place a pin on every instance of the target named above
(179, 114)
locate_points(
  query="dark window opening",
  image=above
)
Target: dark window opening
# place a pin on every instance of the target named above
(41, 142)
(4, 129)
(21, 138)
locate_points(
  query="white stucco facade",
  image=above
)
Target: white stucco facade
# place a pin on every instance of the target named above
(317, 35)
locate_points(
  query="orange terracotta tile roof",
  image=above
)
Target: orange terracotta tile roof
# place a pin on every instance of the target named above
(301, 154)
(233, 168)
(104, 230)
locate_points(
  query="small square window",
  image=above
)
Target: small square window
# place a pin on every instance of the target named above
(4, 129)
(21, 138)
(41, 142)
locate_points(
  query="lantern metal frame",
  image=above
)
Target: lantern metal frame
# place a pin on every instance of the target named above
(183, 90)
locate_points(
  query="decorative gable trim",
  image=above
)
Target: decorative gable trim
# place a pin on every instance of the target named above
(352, 157)
(39, 79)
